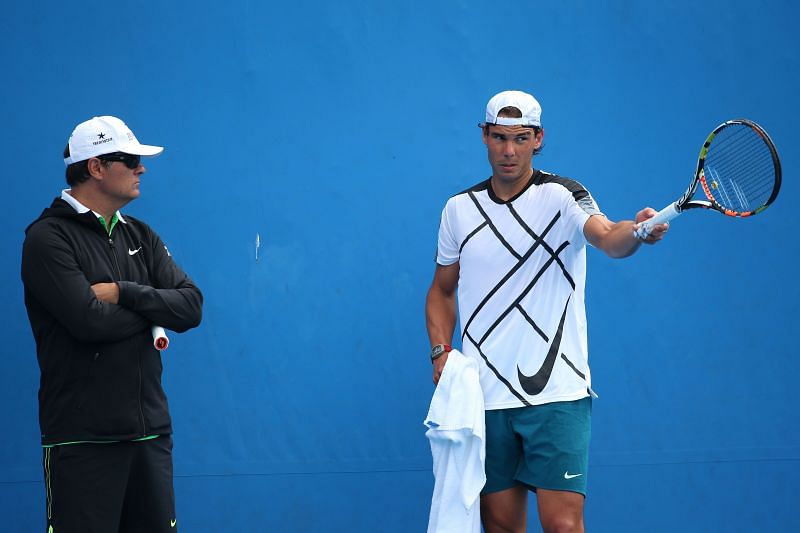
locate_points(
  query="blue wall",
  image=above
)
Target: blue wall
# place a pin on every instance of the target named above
(335, 133)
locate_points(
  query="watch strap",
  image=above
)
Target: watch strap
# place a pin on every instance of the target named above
(439, 350)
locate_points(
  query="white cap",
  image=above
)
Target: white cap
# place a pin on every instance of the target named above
(527, 104)
(105, 135)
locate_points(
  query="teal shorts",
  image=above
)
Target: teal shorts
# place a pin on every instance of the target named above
(541, 446)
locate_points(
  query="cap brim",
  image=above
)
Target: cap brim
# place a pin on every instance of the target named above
(483, 125)
(513, 121)
(142, 149)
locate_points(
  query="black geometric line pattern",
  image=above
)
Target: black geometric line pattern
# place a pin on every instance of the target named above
(546, 246)
(533, 324)
(534, 384)
(495, 371)
(474, 232)
(492, 226)
(574, 369)
(514, 269)
(525, 292)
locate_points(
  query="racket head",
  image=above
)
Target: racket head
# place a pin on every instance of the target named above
(738, 170)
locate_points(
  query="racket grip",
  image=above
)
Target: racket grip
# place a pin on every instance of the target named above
(160, 339)
(665, 215)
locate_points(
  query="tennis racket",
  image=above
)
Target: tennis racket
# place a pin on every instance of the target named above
(738, 171)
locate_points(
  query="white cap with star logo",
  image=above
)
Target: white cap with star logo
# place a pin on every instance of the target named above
(105, 135)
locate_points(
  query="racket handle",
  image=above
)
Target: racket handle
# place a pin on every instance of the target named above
(160, 339)
(665, 215)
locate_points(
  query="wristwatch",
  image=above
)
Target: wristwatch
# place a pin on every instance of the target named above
(439, 350)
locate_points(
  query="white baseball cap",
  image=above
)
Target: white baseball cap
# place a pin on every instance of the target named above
(105, 135)
(527, 104)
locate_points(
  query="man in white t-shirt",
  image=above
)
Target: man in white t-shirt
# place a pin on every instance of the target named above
(514, 247)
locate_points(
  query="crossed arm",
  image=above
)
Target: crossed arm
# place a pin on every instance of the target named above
(106, 292)
(110, 311)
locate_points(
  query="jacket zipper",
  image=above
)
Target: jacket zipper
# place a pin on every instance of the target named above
(114, 255)
(138, 355)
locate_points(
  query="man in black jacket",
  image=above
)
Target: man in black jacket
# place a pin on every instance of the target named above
(95, 285)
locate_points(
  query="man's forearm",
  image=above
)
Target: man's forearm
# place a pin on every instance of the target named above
(620, 241)
(177, 309)
(440, 315)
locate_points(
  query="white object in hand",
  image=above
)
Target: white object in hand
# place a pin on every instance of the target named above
(160, 339)
(665, 215)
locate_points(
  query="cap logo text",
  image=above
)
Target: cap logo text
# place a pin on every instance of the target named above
(102, 139)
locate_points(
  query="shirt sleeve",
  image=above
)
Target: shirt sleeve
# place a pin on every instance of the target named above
(579, 208)
(173, 302)
(447, 251)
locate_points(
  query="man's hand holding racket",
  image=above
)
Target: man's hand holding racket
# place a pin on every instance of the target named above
(656, 233)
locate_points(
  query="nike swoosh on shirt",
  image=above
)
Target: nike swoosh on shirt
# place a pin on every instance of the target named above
(172, 523)
(134, 252)
(535, 384)
(567, 475)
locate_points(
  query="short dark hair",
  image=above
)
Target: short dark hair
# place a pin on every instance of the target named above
(78, 172)
(509, 112)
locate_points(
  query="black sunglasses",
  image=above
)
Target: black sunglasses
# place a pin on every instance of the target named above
(132, 161)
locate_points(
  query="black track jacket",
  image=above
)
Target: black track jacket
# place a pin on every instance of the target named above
(100, 374)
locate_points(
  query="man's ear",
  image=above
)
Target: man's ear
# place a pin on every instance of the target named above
(95, 168)
(485, 133)
(540, 138)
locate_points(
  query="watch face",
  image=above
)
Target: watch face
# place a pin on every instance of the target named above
(438, 350)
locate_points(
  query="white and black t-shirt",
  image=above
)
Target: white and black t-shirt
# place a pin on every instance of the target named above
(522, 268)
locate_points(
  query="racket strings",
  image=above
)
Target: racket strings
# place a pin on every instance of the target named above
(739, 169)
(748, 155)
(744, 179)
(754, 157)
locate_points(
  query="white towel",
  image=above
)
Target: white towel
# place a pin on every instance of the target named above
(457, 429)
